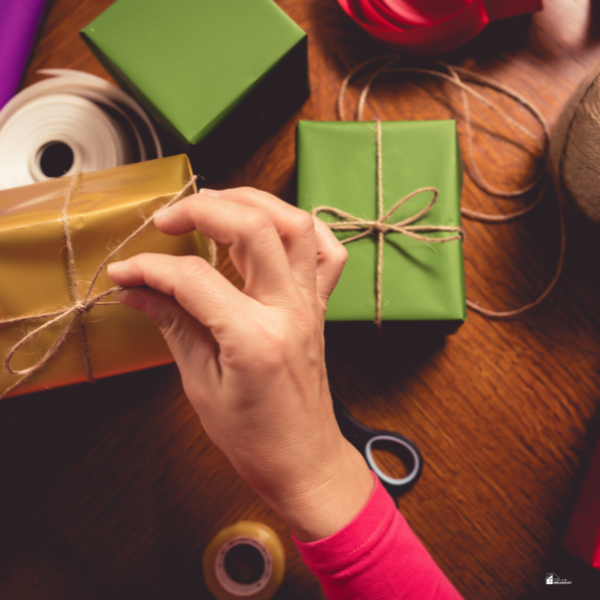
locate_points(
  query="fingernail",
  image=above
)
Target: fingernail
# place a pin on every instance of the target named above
(208, 192)
(131, 299)
(161, 212)
(114, 267)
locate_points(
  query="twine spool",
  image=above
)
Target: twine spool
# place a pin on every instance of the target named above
(575, 148)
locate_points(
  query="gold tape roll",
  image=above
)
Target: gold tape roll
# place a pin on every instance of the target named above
(248, 542)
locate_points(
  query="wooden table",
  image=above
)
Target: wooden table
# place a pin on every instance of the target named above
(113, 491)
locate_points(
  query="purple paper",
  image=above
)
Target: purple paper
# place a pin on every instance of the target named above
(19, 22)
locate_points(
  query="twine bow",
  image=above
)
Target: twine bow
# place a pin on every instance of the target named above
(458, 77)
(73, 313)
(381, 227)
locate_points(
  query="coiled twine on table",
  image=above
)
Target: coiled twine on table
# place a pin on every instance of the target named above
(575, 148)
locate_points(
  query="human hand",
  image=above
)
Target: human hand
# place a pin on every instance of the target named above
(252, 361)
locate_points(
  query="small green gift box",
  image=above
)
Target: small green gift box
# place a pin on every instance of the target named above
(219, 75)
(421, 280)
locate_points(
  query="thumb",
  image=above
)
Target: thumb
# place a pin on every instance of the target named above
(191, 344)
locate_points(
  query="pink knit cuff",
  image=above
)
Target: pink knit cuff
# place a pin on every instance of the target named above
(359, 537)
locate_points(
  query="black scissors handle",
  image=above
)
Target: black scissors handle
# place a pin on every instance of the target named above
(363, 438)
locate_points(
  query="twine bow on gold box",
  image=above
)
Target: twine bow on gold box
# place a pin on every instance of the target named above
(57, 325)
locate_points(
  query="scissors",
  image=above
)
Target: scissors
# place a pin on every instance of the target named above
(363, 438)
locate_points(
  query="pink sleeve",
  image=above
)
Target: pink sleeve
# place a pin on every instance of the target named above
(376, 557)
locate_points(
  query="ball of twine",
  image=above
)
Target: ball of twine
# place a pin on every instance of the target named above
(575, 148)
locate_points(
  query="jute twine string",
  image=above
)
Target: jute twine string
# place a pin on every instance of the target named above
(381, 227)
(74, 312)
(453, 76)
(575, 150)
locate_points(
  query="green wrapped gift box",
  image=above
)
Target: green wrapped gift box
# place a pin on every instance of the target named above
(337, 167)
(217, 74)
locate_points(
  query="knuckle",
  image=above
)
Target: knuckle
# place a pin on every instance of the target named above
(186, 269)
(166, 322)
(271, 343)
(302, 221)
(190, 271)
(273, 340)
(295, 332)
(245, 191)
(170, 325)
(275, 344)
(334, 258)
(141, 259)
(255, 223)
(193, 266)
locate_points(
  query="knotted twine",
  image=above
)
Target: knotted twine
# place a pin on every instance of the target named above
(74, 312)
(381, 226)
(540, 177)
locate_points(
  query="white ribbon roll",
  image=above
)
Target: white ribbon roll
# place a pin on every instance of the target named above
(65, 109)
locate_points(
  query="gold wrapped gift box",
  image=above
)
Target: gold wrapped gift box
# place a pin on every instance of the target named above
(105, 208)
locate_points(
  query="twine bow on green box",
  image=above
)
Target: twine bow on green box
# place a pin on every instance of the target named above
(381, 226)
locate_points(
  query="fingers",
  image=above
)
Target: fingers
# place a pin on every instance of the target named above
(190, 343)
(315, 256)
(295, 227)
(255, 245)
(331, 258)
(200, 290)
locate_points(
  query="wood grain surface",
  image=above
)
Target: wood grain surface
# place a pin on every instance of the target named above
(113, 491)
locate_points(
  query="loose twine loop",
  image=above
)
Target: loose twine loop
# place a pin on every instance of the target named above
(80, 305)
(380, 226)
(453, 76)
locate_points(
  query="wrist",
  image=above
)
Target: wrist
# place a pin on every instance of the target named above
(332, 500)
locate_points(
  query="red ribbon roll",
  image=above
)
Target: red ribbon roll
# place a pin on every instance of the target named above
(428, 27)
